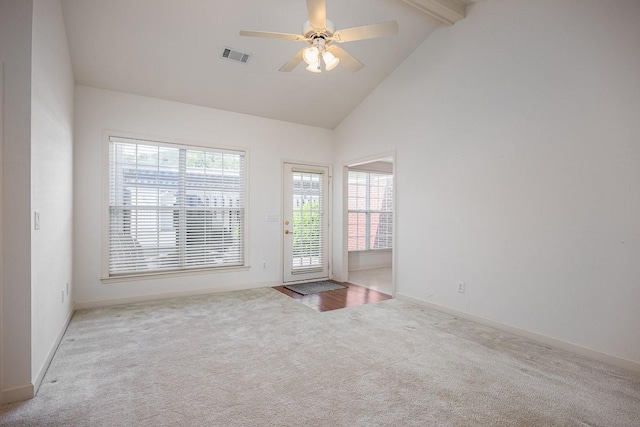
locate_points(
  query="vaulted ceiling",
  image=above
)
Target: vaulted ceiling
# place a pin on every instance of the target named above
(171, 49)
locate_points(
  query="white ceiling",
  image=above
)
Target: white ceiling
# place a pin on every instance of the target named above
(171, 49)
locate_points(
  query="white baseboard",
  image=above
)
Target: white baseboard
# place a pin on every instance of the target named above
(17, 394)
(534, 336)
(52, 351)
(83, 305)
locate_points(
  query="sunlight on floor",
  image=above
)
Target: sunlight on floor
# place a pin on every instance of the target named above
(378, 279)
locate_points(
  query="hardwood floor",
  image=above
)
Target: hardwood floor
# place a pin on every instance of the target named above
(351, 296)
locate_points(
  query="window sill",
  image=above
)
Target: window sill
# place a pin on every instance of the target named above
(364, 251)
(169, 274)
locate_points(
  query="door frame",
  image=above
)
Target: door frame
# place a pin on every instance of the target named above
(329, 210)
(344, 274)
(1, 228)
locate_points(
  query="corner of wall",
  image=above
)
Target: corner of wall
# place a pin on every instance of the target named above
(39, 376)
(17, 394)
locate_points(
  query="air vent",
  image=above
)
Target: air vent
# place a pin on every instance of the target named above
(234, 55)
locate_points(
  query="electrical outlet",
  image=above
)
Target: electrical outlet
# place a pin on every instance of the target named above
(461, 287)
(67, 288)
(36, 220)
(264, 264)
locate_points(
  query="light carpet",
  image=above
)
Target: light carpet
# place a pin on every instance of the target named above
(260, 358)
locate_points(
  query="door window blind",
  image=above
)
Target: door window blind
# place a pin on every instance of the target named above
(308, 224)
(174, 207)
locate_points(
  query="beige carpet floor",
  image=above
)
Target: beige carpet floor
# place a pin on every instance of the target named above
(259, 358)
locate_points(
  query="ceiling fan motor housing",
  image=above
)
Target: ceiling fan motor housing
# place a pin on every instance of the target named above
(312, 33)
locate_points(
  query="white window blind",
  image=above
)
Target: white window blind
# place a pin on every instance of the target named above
(174, 207)
(370, 205)
(308, 226)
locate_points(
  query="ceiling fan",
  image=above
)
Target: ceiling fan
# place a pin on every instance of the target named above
(321, 35)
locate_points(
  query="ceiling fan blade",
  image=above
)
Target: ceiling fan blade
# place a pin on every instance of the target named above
(388, 28)
(293, 62)
(317, 13)
(346, 58)
(270, 35)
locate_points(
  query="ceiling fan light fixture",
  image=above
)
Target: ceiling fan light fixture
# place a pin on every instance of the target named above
(310, 55)
(314, 68)
(330, 61)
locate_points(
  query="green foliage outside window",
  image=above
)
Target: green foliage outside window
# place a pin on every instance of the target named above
(306, 228)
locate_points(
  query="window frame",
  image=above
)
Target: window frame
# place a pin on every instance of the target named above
(106, 139)
(368, 211)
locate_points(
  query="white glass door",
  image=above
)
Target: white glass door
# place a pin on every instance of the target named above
(305, 222)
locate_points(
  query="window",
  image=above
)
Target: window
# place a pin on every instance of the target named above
(174, 207)
(370, 202)
(307, 246)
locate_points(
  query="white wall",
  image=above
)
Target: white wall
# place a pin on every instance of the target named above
(517, 143)
(15, 55)
(365, 260)
(375, 167)
(269, 142)
(52, 88)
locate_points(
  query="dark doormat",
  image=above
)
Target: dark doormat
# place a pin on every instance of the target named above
(314, 287)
